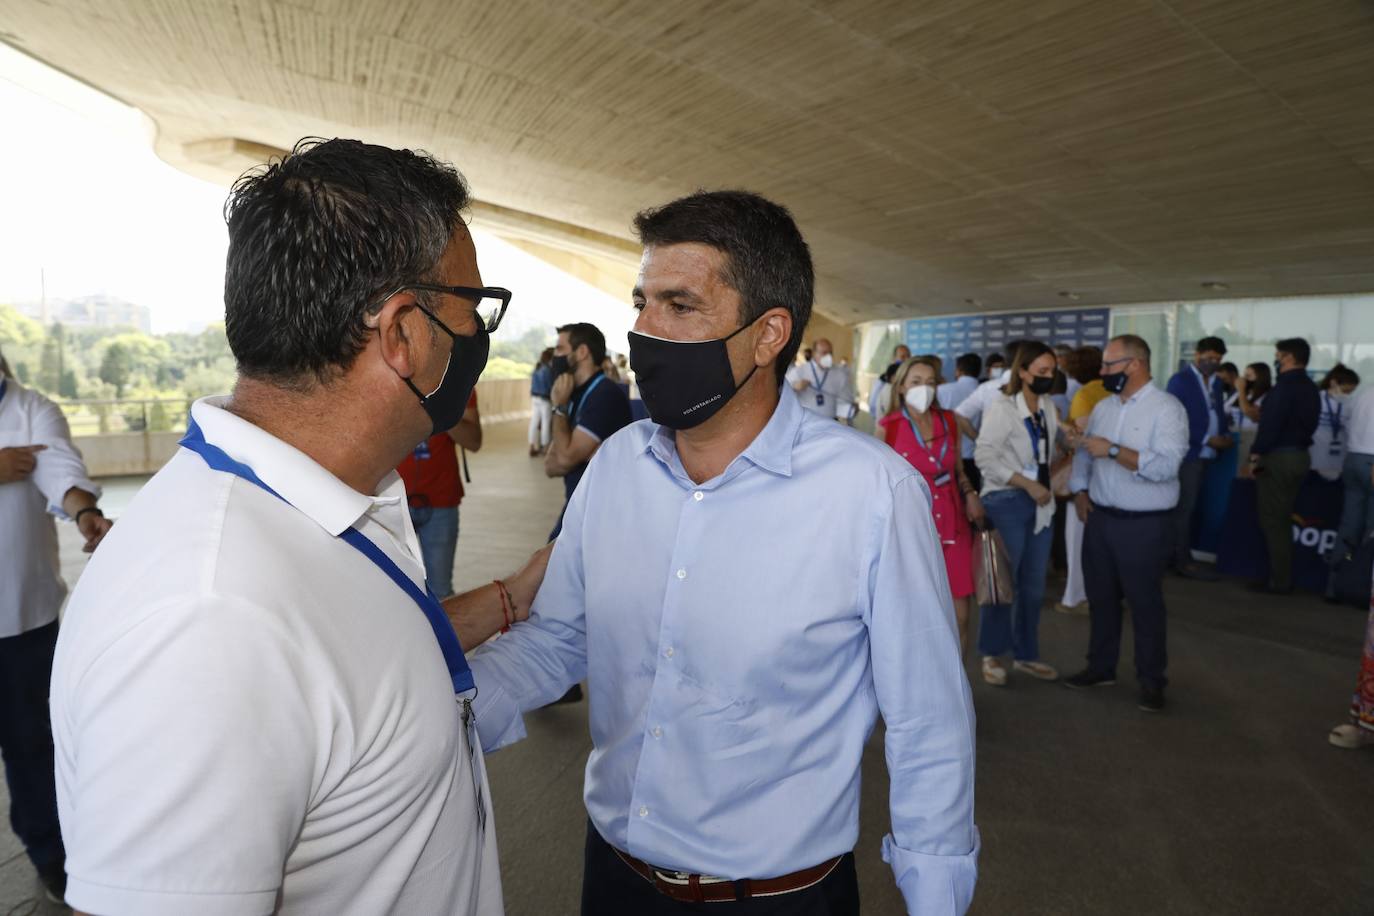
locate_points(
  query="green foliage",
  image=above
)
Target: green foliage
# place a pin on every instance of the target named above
(93, 363)
(524, 349)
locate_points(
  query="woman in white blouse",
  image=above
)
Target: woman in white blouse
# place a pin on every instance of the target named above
(1014, 452)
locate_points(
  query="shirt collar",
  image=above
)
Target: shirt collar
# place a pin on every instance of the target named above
(771, 449)
(1147, 387)
(314, 491)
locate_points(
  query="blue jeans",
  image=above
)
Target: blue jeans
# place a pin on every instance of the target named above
(1357, 515)
(1016, 626)
(437, 530)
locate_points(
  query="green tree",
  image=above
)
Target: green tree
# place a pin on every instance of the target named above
(116, 367)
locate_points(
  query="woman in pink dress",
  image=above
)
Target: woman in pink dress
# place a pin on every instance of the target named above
(928, 437)
(1359, 731)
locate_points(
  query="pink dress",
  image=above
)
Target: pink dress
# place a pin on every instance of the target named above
(937, 461)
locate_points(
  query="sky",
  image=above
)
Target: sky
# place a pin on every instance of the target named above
(87, 207)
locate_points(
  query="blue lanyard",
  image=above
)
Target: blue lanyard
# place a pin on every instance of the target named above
(1332, 408)
(458, 669)
(586, 394)
(944, 431)
(1034, 430)
(4, 383)
(820, 379)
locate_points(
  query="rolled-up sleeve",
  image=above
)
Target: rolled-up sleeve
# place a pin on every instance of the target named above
(539, 659)
(927, 708)
(60, 466)
(1168, 443)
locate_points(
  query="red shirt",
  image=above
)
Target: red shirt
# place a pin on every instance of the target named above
(431, 472)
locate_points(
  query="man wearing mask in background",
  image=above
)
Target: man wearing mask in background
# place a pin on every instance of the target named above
(1200, 390)
(41, 473)
(733, 691)
(882, 388)
(1280, 456)
(823, 386)
(1125, 486)
(588, 408)
(257, 703)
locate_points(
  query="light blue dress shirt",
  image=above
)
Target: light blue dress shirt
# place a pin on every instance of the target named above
(1153, 423)
(739, 639)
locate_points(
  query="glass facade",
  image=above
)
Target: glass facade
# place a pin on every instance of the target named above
(1339, 328)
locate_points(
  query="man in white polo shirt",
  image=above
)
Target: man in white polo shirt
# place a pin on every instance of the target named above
(258, 706)
(822, 385)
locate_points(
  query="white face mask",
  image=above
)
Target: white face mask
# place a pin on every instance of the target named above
(920, 397)
(1339, 396)
(826, 361)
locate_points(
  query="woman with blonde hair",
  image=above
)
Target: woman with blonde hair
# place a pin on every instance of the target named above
(1014, 452)
(928, 437)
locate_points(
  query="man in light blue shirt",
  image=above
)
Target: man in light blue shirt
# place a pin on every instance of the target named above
(738, 654)
(1125, 486)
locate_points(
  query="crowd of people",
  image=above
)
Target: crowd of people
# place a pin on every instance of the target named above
(270, 629)
(1089, 434)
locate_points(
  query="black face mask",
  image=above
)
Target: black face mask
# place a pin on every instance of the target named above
(1115, 382)
(467, 359)
(560, 365)
(1041, 385)
(1209, 367)
(683, 382)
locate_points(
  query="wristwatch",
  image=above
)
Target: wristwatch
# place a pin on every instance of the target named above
(1113, 451)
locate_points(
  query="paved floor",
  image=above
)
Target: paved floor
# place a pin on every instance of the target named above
(1229, 803)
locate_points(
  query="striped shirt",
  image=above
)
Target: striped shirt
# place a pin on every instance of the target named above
(1153, 423)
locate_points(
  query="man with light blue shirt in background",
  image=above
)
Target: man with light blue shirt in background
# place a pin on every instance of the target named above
(1125, 486)
(738, 663)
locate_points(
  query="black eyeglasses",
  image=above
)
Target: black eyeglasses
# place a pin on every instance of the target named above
(492, 301)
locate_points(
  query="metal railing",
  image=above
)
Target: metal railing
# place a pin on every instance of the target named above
(112, 417)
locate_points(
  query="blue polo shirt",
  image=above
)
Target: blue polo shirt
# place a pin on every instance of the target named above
(601, 409)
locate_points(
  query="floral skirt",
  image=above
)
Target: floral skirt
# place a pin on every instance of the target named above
(1362, 704)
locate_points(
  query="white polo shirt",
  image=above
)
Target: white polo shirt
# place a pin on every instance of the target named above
(31, 587)
(251, 717)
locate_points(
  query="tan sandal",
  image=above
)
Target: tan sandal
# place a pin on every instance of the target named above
(1038, 670)
(994, 672)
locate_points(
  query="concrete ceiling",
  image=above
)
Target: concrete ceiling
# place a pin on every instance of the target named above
(1000, 151)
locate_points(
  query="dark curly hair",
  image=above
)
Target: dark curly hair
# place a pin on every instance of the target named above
(316, 239)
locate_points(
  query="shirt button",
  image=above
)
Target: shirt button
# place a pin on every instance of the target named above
(698, 496)
(658, 732)
(668, 652)
(682, 573)
(643, 811)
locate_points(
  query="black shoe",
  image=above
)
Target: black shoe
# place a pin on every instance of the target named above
(1197, 572)
(54, 879)
(574, 695)
(1089, 678)
(1151, 699)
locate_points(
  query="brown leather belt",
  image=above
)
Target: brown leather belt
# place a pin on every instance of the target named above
(704, 889)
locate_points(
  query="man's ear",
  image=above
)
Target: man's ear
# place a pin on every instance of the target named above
(398, 323)
(775, 331)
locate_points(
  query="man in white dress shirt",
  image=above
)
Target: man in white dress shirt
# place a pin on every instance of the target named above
(258, 705)
(41, 473)
(1125, 486)
(822, 385)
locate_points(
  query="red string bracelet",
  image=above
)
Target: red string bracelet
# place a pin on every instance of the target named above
(506, 603)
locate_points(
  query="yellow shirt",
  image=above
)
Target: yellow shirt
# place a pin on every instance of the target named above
(1088, 397)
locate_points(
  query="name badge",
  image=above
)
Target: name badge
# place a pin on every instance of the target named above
(422, 451)
(820, 400)
(942, 480)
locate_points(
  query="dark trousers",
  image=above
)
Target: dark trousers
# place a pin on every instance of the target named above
(1190, 475)
(1124, 557)
(612, 888)
(1278, 483)
(26, 742)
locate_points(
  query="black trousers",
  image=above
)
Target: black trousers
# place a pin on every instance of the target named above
(1124, 557)
(612, 888)
(26, 742)
(1190, 475)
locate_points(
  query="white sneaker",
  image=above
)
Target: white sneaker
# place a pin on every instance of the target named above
(1350, 737)
(1038, 670)
(994, 672)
